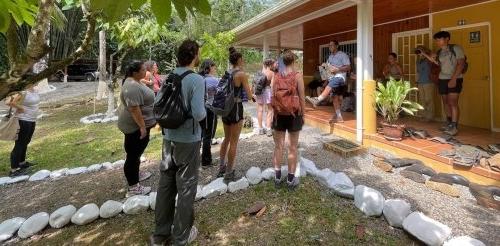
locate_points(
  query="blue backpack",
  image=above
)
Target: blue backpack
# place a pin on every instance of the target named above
(224, 96)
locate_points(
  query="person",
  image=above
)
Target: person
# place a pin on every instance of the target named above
(26, 105)
(316, 83)
(264, 100)
(426, 88)
(234, 121)
(149, 79)
(338, 64)
(392, 69)
(135, 121)
(290, 122)
(181, 158)
(208, 70)
(156, 77)
(451, 59)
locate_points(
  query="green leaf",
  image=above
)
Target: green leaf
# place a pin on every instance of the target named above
(162, 10)
(180, 8)
(136, 4)
(203, 6)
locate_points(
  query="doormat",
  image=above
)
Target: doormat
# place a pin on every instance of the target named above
(343, 147)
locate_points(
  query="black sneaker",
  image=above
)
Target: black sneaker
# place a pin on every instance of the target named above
(293, 184)
(230, 177)
(222, 171)
(26, 165)
(18, 172)
(278, 182)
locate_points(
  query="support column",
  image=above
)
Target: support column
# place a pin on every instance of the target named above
(265, 47)
(365, 113)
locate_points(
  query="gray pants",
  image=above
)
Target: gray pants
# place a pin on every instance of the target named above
(178, 175)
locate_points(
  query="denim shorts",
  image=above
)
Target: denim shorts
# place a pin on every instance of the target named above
(338, 86)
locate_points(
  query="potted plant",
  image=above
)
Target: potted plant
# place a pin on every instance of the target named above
(390, 101)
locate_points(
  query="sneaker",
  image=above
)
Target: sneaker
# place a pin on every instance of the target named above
(144, 175)
(230, 177)
(18, 172)
(340, 119)
(261, 131)
(313, 100)
(293, 184)
(26, 164)
(269, 132)
(158, 241)
(452, 131)
(222, 171)
(138, 190)
(215, 142)
(193, 234)
(446, 127)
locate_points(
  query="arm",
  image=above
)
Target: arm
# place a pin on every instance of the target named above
(385, 71)
(400, 70)
(147, 79)
(244, 82)
(136, 113)
(14, 103)
(431, 58)
(300, 81)
(198, 110)
(458, 69)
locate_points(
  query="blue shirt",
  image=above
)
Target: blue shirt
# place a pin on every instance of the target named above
(339, 59)
(424, 71)
(211, 83)
(193, 90)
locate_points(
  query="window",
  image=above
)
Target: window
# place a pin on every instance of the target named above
(348, 47)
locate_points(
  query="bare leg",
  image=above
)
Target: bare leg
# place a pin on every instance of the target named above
(224, 144)
(233, 145)
(447, 108)
(326, 92)
(453, 107)
(279, 143)
(293, 142)
(269, 119)
(260, 111)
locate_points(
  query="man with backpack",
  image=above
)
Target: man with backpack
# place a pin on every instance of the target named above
(453, 63)
(181, 149)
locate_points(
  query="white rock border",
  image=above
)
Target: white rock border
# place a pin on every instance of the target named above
(318, 175)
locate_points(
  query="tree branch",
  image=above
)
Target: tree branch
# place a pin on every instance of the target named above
(12, 46)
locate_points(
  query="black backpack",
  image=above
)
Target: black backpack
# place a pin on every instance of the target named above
(224, 96)
(451, 47)
(169, 109)
(259, 83)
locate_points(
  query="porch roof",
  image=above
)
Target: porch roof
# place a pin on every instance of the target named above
(283, 24)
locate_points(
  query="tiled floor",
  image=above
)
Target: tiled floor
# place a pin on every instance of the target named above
(427, 148)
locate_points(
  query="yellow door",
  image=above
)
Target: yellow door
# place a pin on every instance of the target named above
(475, 107)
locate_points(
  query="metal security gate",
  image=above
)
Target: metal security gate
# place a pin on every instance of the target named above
(348, 47)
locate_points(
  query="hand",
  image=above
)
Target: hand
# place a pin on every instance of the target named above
(143, 132)
(452, 83)
(20, 110)
(335, 70)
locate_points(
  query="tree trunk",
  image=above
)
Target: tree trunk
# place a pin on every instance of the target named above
(103, 74)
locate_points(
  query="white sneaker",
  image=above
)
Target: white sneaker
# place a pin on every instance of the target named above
(193, 234)
(144, 175)
(261, 131)
(138, 190)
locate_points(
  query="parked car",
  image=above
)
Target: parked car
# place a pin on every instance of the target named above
(79, 72)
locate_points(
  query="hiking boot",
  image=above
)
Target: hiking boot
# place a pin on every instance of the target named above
(222, 171)
(144, 175)
(452, 131)
(138, 190)
(313, 100)
(18, 172)
(230, 177)
(293, 184)
(193, 234)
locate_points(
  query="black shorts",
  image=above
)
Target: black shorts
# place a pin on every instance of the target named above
(339, 91)
(445, 90)
(290, 123)
(235, 116)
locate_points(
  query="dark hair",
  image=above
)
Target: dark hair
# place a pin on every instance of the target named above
(187, 51)
(133, 67)
(393, 55)
(234, 56)
(335, 42)
(288, 57)
(269, 62)
(149, 65)
(442, 34)
(205, 67)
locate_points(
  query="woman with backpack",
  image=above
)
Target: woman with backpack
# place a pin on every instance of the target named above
(234, 120)
(262, 90)
(288, 101)
(208, 70)
(135, 120)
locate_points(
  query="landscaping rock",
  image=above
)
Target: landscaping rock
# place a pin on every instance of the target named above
(382, 165)
(199, 193)
(449, 178)
(214, 188)
(299, 171)
(324, 176)
(110, 209)
(427, 230)
(395, 212)
(152, 200)
(420, 168)
(403, 162)
(94, 168)
(62, 216)
(368, 200)
(463, 241)
(443, 188)
(40, 175)
(107, 165)
(254, 175)
(86, 214)
(417, 177)
(57, 174)
(9, 227)
(118, 164)
(18, 179)
(309, 166)
(77, 170)
(33, 225)
(342, 185)
(136, 204)
(238, 185)
(268, 174)
(4, 180)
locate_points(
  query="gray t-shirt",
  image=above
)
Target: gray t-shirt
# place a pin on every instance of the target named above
(30, 104)
(135, 94)
(339, 59)
(448, 61)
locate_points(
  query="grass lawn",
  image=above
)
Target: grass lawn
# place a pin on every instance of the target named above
(60, 140)
(309, 216)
